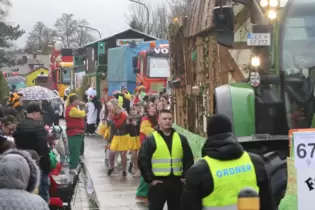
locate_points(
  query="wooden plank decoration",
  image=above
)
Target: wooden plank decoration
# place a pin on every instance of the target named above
(212, 67)
(233, 67)
(200, 17)
(200, 59)
(224, 67)
(211, 75)
(241, 18)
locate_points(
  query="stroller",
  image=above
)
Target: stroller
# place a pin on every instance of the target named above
(63, 184)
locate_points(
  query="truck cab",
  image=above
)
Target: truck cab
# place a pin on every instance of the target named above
(152, 68)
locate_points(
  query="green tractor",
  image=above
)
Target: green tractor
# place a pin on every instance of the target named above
(279, 93)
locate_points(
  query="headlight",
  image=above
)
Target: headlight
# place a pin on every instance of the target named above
(255, 61)
(263, 3)
(273, 3)
(272, 14)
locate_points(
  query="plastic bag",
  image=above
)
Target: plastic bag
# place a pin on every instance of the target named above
(60, 148)
(101, 129)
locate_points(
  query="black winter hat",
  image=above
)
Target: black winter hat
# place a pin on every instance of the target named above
(219, 123)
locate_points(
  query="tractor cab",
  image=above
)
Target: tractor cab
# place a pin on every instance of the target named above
(297, 50)
(283, 73)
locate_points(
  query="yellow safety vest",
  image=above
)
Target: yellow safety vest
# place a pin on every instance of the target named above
(120, 101)
(164, 162)
(229, 178)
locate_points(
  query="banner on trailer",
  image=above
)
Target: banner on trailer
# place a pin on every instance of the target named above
(302, 145)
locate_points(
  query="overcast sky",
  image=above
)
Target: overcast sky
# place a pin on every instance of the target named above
(108, 16)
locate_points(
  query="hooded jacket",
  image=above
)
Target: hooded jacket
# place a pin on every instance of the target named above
(19, 176)
(199, 181)
(32, 135)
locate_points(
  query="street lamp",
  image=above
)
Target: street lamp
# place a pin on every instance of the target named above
(148, 13)
(94, 29)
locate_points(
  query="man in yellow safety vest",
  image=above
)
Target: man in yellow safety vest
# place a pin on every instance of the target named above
(164, 158)
(214, 181)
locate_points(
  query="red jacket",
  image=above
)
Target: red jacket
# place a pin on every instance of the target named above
(74, 125)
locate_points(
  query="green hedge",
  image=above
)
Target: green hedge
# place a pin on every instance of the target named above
(195, 141)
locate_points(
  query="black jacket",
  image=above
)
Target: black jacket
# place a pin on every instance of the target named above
(199, 182)
(31, 135)
(148, 148)
(126, 102)
(134, 130)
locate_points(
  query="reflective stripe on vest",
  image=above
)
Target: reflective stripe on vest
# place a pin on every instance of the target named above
(229, 207)
(164, 162)
(120, 101)
(229, 178)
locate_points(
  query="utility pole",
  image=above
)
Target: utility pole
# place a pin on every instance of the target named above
(148, 13)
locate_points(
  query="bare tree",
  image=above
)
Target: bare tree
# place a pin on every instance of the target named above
(72, 35)
(66, 27)
(160, 20)
(39, 38)
(161, 15)
(177, 8)
(138, 17)
(82, 36)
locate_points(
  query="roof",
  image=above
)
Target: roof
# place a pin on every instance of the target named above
(34, 61)
(112, 36)
(37, 69)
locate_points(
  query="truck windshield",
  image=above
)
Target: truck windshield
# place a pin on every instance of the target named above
(298, 63)
(158, 67)
(66, 73)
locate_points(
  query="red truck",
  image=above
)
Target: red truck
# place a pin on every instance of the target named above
(153, 68)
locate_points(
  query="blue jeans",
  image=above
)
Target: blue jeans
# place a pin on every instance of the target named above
(44, 184)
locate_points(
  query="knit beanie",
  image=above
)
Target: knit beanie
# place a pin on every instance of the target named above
(218, 124)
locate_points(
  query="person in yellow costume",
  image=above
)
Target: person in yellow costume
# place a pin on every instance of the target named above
(75, 130)
(225, 169)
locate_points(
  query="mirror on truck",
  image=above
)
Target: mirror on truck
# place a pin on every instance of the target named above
(135, 65)
(223, 19)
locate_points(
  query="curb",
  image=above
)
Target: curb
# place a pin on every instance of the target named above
(88, 183)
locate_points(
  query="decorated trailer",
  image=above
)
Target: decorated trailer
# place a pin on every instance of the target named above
(274, 93)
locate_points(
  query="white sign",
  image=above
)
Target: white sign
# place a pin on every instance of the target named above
(161, 50)
(305, 188)
(258, 39)
(122, 42)
(159, 67)
(304, 150)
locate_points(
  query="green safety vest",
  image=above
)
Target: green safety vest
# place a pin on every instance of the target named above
(229, 178)
(164, 162)
(120, 101)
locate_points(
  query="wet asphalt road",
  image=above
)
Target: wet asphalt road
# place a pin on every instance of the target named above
(114, 192)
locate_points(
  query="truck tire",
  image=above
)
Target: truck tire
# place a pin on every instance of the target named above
(277, 170)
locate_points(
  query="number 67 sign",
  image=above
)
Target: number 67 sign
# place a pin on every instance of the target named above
(304, 149)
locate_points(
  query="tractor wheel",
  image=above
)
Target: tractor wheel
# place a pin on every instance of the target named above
(277, 171)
